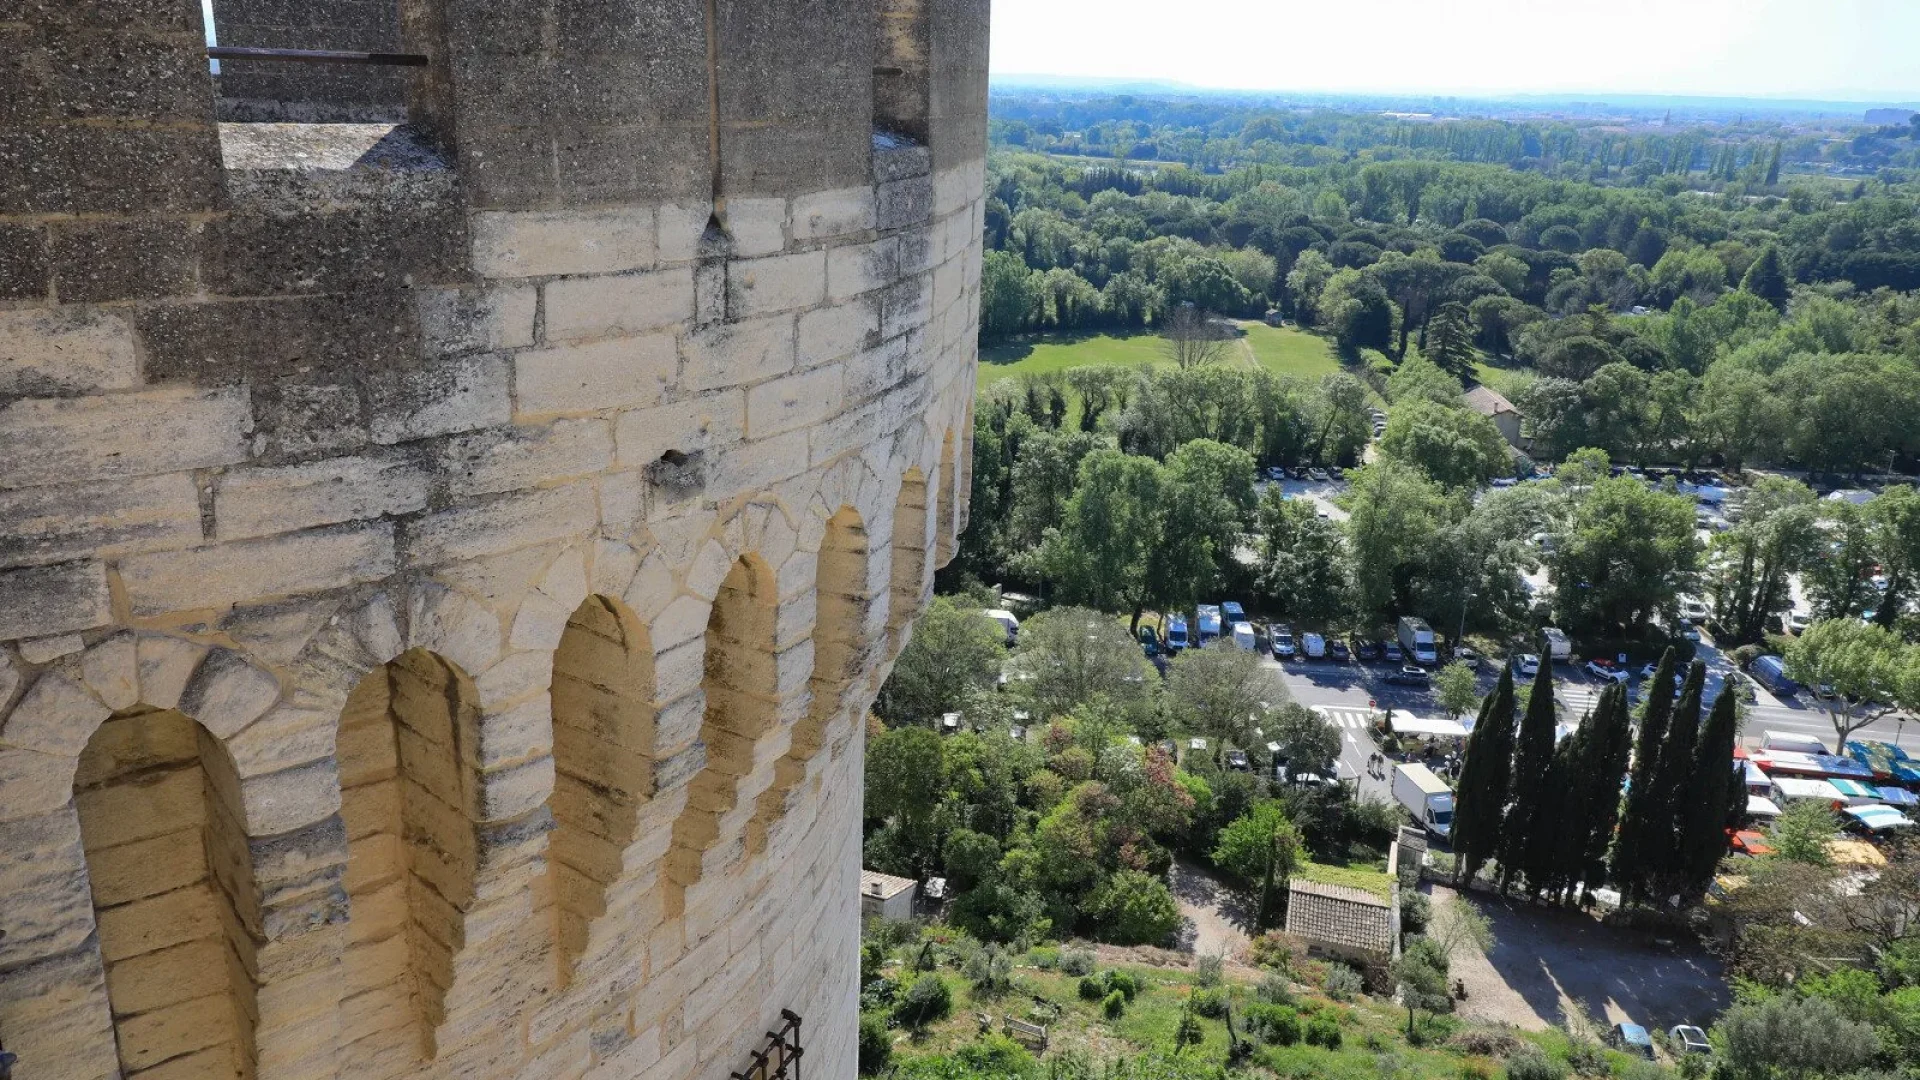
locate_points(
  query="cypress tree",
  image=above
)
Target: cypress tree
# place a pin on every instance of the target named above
(1767, 278)
(1602, 766)
(1672, 781)
(1712, 791)
(1773, 167)
(1646, 828)
(1528, 818)
(1480, 799)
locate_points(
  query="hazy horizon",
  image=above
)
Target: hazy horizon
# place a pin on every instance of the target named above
(1823, 50)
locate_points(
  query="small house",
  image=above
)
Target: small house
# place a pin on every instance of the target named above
(883, 896)
(1490, 403)
(1340, 922)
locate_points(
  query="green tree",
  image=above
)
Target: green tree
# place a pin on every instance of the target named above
(1778, 536)
(1132, 908)
(1456, 688)
(1455, 447)
(1672, 785)
(1801, 832)
(1627, 553)
(1893, 520)
(1222, 692)
(1486, 780)
(1767, 278)
(953, 657)
(1716, 787)
(1395, 513)
(1043, 481)
(1450, 340)
(1869, 669)
(1420, 379)
(1528, 834)
(1306, 738)
(1303, 559)
(1071, 656)
(1788, 1037)
(1645, 828)
(1305, 282)
(1260, 850)
(1421, 975)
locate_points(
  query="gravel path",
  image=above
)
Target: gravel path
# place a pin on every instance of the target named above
(1217, 917)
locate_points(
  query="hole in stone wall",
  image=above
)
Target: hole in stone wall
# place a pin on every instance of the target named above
(173, 894)
(603, 729)
(839, 644)
(407, 794)
(741, 686)
(674, 458)
(901, 71)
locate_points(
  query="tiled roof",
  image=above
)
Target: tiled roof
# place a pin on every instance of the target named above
(889, 886)
(1489, 402)
(1339, 915)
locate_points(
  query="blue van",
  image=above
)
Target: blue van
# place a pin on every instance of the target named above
(1771, 672)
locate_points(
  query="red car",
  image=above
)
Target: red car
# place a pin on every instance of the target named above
(1750, 842)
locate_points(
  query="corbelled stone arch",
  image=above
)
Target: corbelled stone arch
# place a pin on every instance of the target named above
(409, 796)
(604, 766)
(740, 686)
(948, 499)
(162, 829)
(841, 645)
(911, 579)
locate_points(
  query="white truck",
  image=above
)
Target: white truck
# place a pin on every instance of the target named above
(1417, 638)
(1243, 636)
(1426, 797)
(1559, 649)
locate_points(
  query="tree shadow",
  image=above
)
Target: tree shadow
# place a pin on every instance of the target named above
(1195, 887)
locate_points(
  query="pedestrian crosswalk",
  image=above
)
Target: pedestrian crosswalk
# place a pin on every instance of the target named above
(1577, 700)
(1346, 716)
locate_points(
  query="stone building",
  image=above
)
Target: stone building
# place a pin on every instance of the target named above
(454, 518)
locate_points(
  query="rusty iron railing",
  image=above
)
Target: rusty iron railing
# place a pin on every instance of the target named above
(781, 1059)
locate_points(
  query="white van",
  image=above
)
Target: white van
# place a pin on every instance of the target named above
(1792, 741)
(1243, 636)
(1007, 621)
(1315, 646)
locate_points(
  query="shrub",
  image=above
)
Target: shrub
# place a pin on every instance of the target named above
(1342, 982)
(876, 1044)
(1132, 908)
(1044, 957)
(1091, 989)
(1275, 1024)
(1114, 1005)
(1274, 989)
(927, 1001)
(1124, 983)
(1278, 950)
(1076, 960)
(1531, 1064)
(1323, 1030)
(1586, 1056)
(995, 1055)
(1189, 1033)
(1206, 969)
(1210, 1002)
(878, 994)
(1416, 911)
(989, 969)
(1475, 1070)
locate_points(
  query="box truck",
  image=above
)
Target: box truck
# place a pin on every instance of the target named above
(1416, 637)
(1426, 797)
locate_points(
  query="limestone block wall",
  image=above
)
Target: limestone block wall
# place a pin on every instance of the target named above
(444, 566)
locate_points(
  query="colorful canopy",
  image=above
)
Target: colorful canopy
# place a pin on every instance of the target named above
(1879, 817)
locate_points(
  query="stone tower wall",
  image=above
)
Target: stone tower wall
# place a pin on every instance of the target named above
(444, 566)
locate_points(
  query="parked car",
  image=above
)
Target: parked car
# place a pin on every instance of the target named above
(1336, 472)
(1465, 655)
(1313, 646)
(1297, 472)
(1337, 649)
(1526, 665)
(1317, 475)
(1149, 644)
(1282, 637)
(1366, 650)
(1798, 622)
(1631, 1039)
(1237, 761)
(1688, 1039)
(1409, 675)
(1607, 670)
(1693, 610)
(1390, 651)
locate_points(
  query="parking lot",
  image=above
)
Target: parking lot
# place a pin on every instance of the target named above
(1546, 958)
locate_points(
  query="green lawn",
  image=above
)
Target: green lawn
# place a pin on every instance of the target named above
(1377, 882)
(1286, 351)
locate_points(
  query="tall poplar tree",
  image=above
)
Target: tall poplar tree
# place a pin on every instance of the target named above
(1646, 827)
(1480, 800)
(1712, 790)
(1530, 815)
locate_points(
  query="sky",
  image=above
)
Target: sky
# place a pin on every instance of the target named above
(1851, 50)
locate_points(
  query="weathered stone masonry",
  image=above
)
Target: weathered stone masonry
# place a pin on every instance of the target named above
(448, 544)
